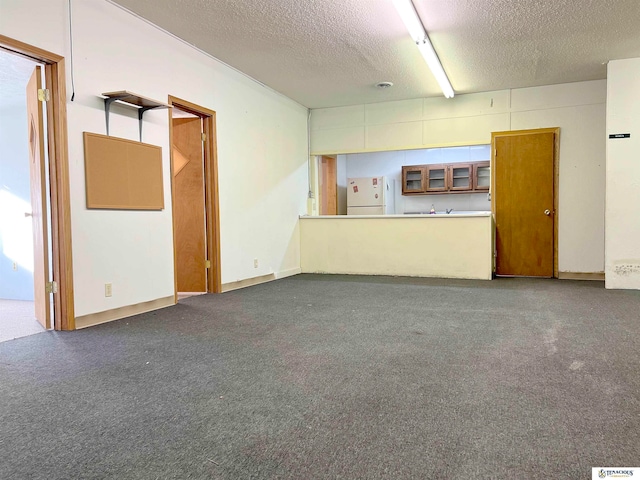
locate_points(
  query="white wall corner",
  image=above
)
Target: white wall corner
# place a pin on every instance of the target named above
(622, 212)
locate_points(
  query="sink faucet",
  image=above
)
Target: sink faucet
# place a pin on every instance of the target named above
(449, 210)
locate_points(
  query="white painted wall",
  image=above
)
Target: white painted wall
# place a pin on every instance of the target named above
(262, 151)
(577, 108)
(580, 112)
(390, 164)
(622, 251)
(16, 234)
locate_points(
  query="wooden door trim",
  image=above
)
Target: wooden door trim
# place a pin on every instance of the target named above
(213, 203)
(64, 316)
(214, 282)
(324, 198)
(556, 178)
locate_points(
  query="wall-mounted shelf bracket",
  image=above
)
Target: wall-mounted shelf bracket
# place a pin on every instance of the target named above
(129, 98)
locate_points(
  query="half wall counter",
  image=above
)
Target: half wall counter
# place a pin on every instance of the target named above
(448, 246)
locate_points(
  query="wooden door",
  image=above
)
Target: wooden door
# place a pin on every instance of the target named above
(189, 205)
(328, 187)
(524, 203)
(35, 126)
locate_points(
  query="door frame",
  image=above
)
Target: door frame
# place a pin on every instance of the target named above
(556, 180)
(58, 151)
(323, 185)
(212, 217)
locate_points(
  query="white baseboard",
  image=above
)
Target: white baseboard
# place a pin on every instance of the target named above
(249, 282)
(289, 273)
(92, 319)
(599, 276)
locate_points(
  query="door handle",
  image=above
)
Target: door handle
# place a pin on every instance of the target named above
(547, 212)
(27, 214)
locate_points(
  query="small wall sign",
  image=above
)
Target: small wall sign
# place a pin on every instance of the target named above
(620, 135)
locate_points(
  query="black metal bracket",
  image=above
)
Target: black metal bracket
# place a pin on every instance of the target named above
(144, 104)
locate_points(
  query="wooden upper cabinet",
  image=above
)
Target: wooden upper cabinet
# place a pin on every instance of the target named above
(460, 176)
(449, 178)
(445, 178)
(437, 180)
(481, 176)
(413, 179)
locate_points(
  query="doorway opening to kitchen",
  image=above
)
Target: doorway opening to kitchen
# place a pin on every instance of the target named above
(389, 164)
(34, 217)
(194, 189)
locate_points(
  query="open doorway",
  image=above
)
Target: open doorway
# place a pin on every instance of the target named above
(196, 230)
(48, 199)
(25, 306)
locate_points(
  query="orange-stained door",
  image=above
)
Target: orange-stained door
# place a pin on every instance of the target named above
(189, 206)
(35, 127)
(524, 204)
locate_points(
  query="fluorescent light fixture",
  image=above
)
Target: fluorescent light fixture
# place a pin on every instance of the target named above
(411, 20)
(430, 56)
(413, 23)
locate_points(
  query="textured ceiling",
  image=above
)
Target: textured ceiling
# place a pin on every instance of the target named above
(326, 53)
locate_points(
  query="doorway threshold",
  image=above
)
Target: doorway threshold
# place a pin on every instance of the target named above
(183, 295)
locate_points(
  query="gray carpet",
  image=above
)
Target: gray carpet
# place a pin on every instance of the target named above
(335, 377)
(18, 319)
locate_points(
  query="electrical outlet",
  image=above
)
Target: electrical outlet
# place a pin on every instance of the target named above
(255, 263)
(107, 290)
(15, 266)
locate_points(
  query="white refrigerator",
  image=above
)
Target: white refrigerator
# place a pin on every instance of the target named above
(369, 196)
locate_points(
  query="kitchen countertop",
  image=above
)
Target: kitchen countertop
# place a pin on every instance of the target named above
(406, 215)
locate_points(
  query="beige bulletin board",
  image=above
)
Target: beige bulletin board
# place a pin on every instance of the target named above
(122, 174)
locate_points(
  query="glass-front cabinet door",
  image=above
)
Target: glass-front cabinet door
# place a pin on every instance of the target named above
(413, 179)
(437, 178)
(482, 176)
(460, 176)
